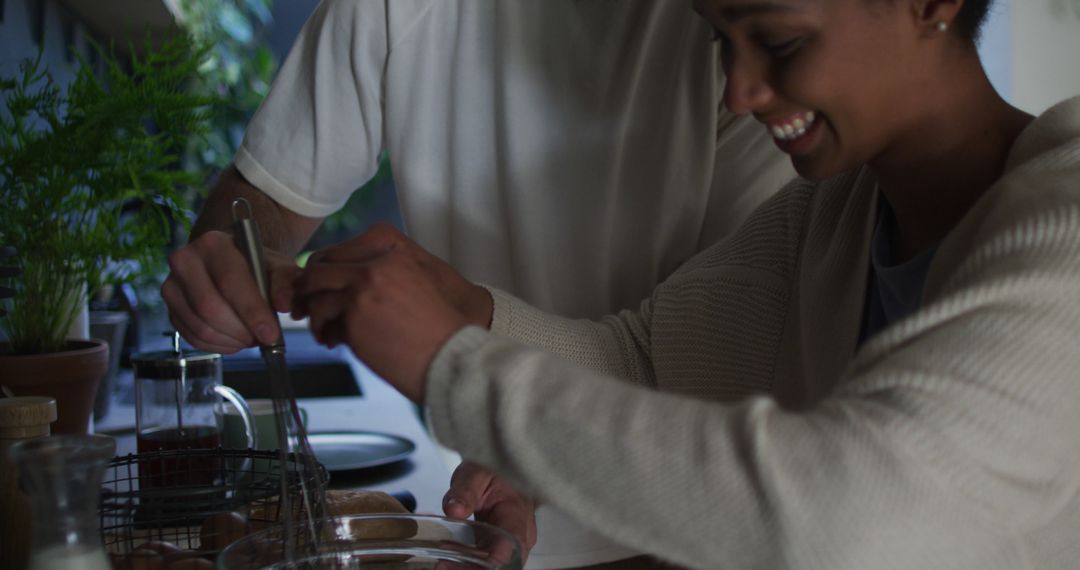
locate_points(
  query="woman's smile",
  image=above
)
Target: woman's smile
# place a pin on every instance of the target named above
(796, 134)
(818, 73)
(792, 127)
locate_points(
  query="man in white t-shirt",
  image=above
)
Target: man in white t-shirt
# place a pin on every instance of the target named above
(554, 149)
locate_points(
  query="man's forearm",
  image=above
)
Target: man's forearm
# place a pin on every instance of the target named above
(280, 229)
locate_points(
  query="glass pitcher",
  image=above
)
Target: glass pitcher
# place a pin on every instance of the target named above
(62, 474)
(178, 406)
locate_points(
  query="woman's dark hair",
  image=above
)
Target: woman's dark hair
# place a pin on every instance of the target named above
(971, 18)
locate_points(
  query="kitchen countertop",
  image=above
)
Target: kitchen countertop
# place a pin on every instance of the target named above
(425, 474)
(380, 408)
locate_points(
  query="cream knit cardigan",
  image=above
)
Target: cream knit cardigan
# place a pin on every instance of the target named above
(949, 440)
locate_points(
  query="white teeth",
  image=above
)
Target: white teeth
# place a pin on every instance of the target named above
(795, 129)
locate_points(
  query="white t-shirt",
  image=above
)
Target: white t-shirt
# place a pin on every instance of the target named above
(569, 151)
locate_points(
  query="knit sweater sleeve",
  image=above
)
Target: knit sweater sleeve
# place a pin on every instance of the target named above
(954, 433)
(620, 345)
(616, 345)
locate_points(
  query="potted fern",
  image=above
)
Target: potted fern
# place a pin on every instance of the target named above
(91, 192)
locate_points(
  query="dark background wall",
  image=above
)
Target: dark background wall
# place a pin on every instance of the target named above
(289, 17)
(25, 23)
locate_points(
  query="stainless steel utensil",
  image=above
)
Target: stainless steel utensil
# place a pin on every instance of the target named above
(290, 426)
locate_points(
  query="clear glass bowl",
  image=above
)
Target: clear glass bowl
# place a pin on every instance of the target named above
(390, 541)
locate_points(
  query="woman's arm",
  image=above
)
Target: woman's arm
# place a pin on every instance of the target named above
(615, 345)
(953, 439)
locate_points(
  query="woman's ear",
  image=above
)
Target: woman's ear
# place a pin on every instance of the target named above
(936, 16)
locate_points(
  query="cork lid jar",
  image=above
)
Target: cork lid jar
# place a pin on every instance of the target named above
(26, 416)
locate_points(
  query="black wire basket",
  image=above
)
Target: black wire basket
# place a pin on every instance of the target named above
(192, 503)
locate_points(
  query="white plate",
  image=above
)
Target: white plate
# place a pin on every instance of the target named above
(350, 450)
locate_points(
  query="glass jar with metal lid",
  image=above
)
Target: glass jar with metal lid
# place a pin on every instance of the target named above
(178, 405)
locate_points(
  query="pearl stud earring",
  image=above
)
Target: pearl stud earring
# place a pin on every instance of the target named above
(942, 26)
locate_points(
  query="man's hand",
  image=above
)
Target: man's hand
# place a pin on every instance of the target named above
(471, 300)
(393, 303)
(212, 297)
(476, 491)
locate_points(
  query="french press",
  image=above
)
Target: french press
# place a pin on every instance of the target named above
(178, 406)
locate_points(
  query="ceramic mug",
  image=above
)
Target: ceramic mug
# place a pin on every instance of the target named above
(262, 418)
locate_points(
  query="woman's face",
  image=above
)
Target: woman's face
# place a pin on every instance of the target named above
(838, 83)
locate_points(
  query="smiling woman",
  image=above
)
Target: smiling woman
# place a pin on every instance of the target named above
(894, 85)
(876, 370)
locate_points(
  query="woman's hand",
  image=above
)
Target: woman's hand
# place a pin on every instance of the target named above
(476, 491)
(393, 303)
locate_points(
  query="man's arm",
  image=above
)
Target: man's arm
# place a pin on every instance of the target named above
(282, 230)
(212, 298)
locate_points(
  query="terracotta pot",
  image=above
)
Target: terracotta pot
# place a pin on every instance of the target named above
(71, 376)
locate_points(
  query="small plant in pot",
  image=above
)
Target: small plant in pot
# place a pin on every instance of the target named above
(91, 192)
